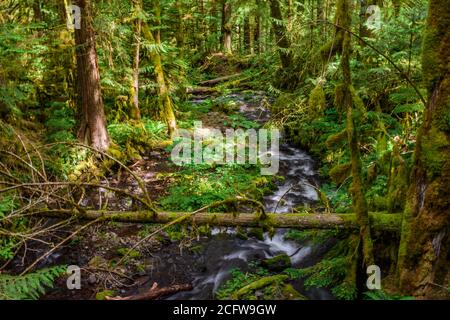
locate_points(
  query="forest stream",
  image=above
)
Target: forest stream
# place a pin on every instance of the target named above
(223, 251)
(224, 150)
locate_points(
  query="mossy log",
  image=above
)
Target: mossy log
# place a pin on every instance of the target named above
(201, 90)
(259, 284)
(379, 221)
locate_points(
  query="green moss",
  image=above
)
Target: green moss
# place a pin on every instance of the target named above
(398, 188)
(197, 249)
(341, 18)
(340, 173)
(433, 145)
(240, 234)
(259, 284)
(316, 102)
(289, 293)
(133, 254)
(103, 294)
(277, 263)
(256, 233)
(336, 140)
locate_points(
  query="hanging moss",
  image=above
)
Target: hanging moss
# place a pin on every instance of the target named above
(372, 172)
(347, 100)
(336, 140)
(342, 19)
(316, 102)
(340, 92)
(398, 182)
(340, 173)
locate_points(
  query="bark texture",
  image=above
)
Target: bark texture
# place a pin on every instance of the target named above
(165, 102)
(379, 221)
(348, 100)
(91, 119)
(226, 27)
(423, 261)
(280, 34)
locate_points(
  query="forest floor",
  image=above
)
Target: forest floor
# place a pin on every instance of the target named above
(167, 259)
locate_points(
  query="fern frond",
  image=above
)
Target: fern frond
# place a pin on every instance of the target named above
(30, 286)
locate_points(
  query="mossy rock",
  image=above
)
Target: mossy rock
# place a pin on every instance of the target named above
(241, 235)
(289, 293)
(257, 233)
(259, 284)
(103, 294)
(133, 254)
(277, 263)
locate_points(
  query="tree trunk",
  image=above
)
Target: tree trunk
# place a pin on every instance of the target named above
(280, 34)
(165, 102)
(226, 27)
(157, 12)
(179, 34)
(37, 12)
(258, 30)
(346, 93)
(424, 248)
(92, 121)
(379, 221)
(134, 90)
(212, 27)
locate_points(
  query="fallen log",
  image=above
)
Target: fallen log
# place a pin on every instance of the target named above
(200, 90)
(213, 82)
(155, 292)
(379, 220)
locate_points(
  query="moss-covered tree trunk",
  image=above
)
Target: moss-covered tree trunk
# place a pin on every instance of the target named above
(179, 34)
(92, 121)
(164, 100)
(423, 261)
(346, 99)
(280, 34)
(226, 27)
(135, 112)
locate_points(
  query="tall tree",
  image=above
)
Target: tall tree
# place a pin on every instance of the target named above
(164, 100)
(350, 103)
(92, 122)
(424, 249)
(134, 89)
(226, 26)
(280, 33)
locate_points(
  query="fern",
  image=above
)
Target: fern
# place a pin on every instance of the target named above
(30, 286)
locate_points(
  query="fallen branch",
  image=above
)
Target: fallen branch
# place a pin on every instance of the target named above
(155, 292)
(379, 221)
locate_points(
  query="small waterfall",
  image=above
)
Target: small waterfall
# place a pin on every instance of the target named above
(225, 252)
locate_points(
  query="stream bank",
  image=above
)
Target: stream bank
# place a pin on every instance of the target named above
(209, 257)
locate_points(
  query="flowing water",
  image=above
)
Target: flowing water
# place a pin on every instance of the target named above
(223, 251)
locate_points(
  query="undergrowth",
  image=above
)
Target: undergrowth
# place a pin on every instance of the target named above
(30, 286)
